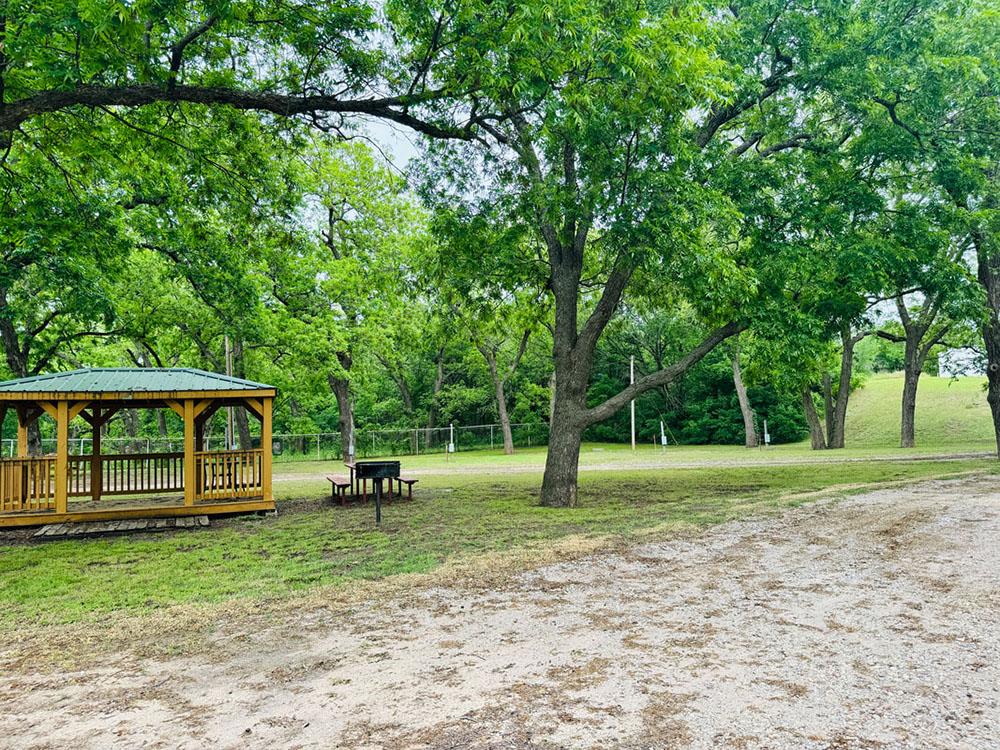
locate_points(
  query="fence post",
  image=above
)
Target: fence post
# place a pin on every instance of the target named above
(317, 447)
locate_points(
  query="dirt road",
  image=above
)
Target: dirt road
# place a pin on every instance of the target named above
(869, 622)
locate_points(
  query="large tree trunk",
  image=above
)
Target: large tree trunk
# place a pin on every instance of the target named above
(572, 358)
(500, 395)
(559, 484)
(130, 418)
(826, 386)
(240, 418)
(435, 390)
(836, 428)
(749, 429)
(242, 423)
(295, 410)
(913, 364)
(341, 388)
(816, 437)
(345, 404)
(988, 272)
(552, 396)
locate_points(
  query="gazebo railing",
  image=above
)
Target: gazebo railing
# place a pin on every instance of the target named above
(27, 484)
(228, 474)
(128, 473)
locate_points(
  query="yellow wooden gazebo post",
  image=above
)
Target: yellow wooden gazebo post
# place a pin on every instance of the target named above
(96, 475)
(265, 449)
(189, 462)
(62, 454)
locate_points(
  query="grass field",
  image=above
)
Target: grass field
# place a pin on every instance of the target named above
(462, 516)
(474, 505)
(950, 413)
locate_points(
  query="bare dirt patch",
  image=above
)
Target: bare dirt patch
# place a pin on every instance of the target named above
(869, 622)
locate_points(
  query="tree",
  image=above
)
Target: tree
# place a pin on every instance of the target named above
(924, 327)
(749, 428)
(936, 95)
(496, 297)
(342, 290)
(587, 120)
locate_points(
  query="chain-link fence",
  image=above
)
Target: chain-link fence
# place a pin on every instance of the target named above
(326, 446)
(371, 443)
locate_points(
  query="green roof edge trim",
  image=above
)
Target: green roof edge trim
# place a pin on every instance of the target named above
(131, 379)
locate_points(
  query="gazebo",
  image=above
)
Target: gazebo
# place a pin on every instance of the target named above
(61, 487)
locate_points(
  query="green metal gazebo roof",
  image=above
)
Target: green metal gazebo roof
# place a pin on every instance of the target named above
(131, 380)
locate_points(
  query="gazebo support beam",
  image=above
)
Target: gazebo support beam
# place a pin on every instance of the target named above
(62, 455)
(265, 445)
(189, 462)
(96, 473)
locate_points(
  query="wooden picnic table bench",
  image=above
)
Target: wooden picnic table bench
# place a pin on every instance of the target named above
(338, 487)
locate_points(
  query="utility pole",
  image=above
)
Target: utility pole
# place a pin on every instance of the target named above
(631, 381)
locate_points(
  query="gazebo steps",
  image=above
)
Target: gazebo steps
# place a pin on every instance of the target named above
(55, 531)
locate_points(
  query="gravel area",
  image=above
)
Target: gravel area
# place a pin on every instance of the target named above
(868, 622)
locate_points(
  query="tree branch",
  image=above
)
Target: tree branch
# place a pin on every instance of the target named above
(614, 288)
(664, 376)
(284, 105)
(891, 337)
(177, 51)
(517, 357)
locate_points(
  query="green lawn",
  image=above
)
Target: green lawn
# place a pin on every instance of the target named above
(952, 418)
(461, 517)
(950, 413)
(472, 506)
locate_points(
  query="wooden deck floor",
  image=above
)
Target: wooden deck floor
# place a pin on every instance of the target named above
(54, 531)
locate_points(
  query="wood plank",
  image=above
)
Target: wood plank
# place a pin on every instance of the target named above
(77, 408)
(255, 407)
(49, 409)
(189, 458)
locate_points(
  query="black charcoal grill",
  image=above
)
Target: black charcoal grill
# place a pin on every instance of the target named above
(377, 471)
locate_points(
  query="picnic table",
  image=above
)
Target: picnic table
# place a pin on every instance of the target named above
(355, 485)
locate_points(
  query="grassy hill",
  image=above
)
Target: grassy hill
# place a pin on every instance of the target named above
(950, 413)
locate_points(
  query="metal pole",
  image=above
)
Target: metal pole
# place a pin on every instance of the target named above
(631, 381)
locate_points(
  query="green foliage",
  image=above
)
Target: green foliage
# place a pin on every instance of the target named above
(786, 165)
